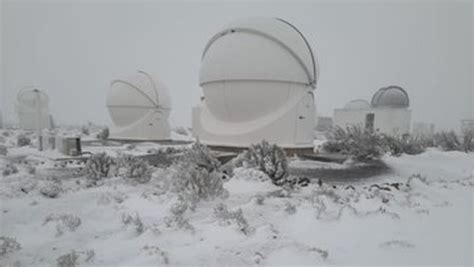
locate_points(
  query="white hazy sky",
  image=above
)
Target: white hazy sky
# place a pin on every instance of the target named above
(73, 50)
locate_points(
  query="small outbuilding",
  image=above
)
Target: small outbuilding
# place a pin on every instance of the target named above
(139, 106)
(258, 76)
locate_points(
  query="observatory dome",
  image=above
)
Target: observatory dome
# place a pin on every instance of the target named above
(139, 106)
(261, 49)
(391, 96)
(357, 104)
(32, 107)
(253, 72)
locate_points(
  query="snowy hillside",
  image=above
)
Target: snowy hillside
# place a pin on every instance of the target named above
(420, 212)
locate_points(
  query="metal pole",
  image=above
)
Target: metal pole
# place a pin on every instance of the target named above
(38, 120)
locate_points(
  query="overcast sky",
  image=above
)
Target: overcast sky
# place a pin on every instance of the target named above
(73, 50)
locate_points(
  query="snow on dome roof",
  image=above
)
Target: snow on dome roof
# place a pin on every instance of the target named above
(131, 98)
(391, 96)
(260, 49)
(357, 104)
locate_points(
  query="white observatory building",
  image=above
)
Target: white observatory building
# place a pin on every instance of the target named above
(258, 76)
(353, 113)
(388, 112)
(32, 108)
(139, 106)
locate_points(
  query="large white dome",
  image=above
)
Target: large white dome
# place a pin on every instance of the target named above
(32, 107)
(139, 106)
(260, 49)
(258, 77)
(391, 96)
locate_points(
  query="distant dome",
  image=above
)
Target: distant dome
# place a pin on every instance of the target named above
(139, 106)
(391, 96)
(32, 107)
(357, 104)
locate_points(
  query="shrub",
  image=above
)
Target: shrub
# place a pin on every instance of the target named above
(3, 150)
(468, 140)
(177, 219)
(68, 260)
(222, 213)
(71, 259)
(8, 245)
(358, 143)
(270, 159)
(197, 175)
(136, 221)
(408, 144)
(134, 168)
(64, 222)
(103, 135)
(154, 250)
(9, 169)
(22, 140)
(98, 166)
(50, 189)
(448, 141)
(290, 208)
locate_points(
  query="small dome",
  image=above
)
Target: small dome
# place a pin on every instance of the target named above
(391, 96)
(259, 49)
(131, 98)
(32, 107)
(357, 104)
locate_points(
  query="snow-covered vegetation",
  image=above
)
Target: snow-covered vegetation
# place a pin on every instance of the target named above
(366, 145)
(197, 211)
(359, 143)
(268, 158)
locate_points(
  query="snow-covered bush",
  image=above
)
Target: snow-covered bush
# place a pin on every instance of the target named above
(8, 245)
(22, 140)
(355, 141)
(468, 140)
(290, 208)
(227, 217)
(268, 158)
(176, 219)
(98, 166)
(197, 175)
(448, 141)
(134, 168)
(136, 221)
(154, 250)
(103, 134)
(63, 222)
(9, 169)
(50, 189)
(68, 260)
(3, 150)
(75, 258)
(408, 144)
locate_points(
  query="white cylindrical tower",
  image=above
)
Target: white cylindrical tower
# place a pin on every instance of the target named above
(32, 107)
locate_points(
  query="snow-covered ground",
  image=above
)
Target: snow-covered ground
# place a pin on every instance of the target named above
(383, 220)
